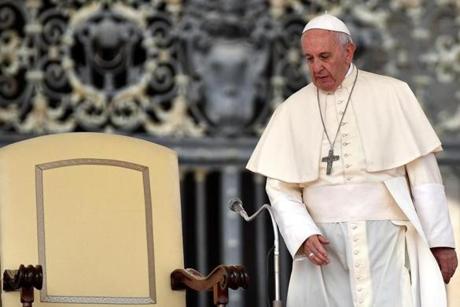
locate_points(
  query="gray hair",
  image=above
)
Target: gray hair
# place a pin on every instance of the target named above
(343, 38)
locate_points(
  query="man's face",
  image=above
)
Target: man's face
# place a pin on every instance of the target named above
(327, 59)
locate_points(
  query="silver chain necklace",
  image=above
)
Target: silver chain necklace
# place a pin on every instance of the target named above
(330, 158)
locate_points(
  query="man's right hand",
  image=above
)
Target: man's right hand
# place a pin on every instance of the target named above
(314, 248)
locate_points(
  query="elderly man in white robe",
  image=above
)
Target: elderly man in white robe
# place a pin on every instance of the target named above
(355, 186)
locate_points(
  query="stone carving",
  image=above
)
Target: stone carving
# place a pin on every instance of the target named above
(226, 55)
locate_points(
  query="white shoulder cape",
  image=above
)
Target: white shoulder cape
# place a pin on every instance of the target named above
(392, 125)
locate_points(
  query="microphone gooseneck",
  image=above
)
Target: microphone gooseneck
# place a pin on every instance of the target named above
(236, 205)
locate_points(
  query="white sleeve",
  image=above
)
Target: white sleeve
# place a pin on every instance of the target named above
(291, 215)
(430, 201)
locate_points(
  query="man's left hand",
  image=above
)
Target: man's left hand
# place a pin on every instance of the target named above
(447, 261)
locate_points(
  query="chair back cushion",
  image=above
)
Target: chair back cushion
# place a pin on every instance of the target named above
(100, 213)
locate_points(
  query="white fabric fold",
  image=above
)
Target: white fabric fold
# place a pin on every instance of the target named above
(376, 276)
(423, 170)
(430, 201)
(291, 215)
(431, 205)
(351, 202)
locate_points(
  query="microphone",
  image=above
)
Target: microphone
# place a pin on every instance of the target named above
(236, 205)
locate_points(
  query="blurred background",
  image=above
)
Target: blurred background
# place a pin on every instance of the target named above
(203, 77)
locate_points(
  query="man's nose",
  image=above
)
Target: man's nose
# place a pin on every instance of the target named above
(316, 66)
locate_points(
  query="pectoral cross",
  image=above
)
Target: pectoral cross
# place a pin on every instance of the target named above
(330, 159)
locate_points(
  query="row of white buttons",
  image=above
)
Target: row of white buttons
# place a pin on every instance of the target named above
(345, 144)
(357, 234)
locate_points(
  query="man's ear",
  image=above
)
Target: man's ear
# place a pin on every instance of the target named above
(350, 51)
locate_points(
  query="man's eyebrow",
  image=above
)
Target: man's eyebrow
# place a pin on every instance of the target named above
(321, 54)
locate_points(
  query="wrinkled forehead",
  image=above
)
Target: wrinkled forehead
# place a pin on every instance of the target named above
(318, 39)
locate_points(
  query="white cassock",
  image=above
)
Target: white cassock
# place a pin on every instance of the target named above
(380, 226)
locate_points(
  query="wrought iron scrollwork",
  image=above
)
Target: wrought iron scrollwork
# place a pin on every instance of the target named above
(195, 68)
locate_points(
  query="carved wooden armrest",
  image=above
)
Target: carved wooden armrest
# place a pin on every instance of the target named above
(24, 279)
(219, 280)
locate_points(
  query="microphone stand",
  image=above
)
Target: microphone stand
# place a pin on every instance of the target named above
(236, 205)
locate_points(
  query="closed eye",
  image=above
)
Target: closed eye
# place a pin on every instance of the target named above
(324, 56)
